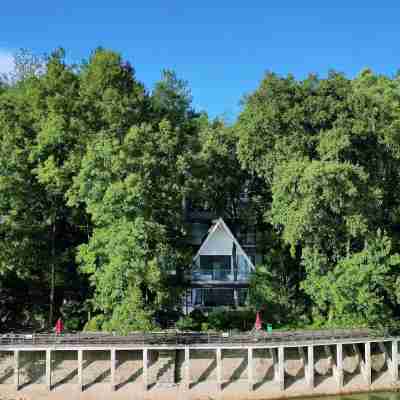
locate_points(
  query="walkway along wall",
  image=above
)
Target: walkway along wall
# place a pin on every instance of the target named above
(245, 371)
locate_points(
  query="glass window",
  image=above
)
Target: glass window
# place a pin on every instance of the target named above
(243, 268)
(243, 295)
(217, 268)
(217, 297)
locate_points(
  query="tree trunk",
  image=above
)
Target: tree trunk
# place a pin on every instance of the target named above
(52, 273)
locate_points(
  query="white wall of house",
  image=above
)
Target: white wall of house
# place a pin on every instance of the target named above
(219, 243)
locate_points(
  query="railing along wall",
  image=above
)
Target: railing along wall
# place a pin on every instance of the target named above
(276, 342)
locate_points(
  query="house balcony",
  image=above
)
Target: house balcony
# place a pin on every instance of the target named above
(219, 275)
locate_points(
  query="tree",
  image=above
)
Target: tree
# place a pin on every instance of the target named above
(275, 287)
(42, 134)
(282, 119)
(172, 99)
(320, 204)
(362, 289)
(134, 172)
(327, 150)
(128, 262)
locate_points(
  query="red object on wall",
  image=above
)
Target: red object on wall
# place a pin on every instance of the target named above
(59, 326)
(258, 324)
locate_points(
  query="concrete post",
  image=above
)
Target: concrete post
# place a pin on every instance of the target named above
(80, 369)
(48, 369)
(219, 368)
(384, 351)
(310, 367)
(250, 377)
(187, 369)
(367, 363)
(16, 369)
(331, 362)
(145, 369)
(275, 364)
(339, 365)
(394, 366)
(281, 368)
(304, 358)
(112, 368)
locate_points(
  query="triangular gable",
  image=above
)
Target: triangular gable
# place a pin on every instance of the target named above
(221, 225)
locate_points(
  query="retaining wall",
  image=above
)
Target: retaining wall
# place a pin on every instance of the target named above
(241, 372)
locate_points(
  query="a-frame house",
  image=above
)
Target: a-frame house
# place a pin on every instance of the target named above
(220, 271)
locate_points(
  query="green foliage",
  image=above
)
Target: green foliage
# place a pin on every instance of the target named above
(320, 204)
(94, 170)
(171, 98)
(185, 323)
(95, 324)
(223, 319)
(131, 314)
(218, 319)
(327, 150)
(127, 263)
(74, 314)
(275, 290)
(362, 288)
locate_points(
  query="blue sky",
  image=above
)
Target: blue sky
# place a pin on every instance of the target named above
(221, 47)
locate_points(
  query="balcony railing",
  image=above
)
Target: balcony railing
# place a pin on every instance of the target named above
(223, 274)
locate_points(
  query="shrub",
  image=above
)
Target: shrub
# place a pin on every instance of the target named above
(185, 323)
(222, 319)
(198, 319)
(205, 327)
(95, 324)
(74, 314)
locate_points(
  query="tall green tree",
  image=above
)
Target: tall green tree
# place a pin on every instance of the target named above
(133, 180)
(40, 132)
(361, 289)
(327, 149)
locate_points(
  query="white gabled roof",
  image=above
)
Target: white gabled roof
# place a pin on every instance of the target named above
(221, 224)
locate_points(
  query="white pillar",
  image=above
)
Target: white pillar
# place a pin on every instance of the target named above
(80, 369)
(310, 367)
(275, 363)
(395, 362)
(48, 369)
(304, 358)
(281, 368)
(145, 369)
(250, 377)
(16, 369)
(331, 362)
(218, 354)
(187, 369)
(384, 351)
(339, 365)
(367, 362)
(112, 368)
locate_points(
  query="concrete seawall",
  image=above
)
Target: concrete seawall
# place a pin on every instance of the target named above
(246, 371)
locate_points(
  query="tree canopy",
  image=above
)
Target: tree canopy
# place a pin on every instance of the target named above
(95, 170)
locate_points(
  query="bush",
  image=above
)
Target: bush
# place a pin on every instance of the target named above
(95, 324)
(222, 319)
(219, 319)
(185, 323)
(205, 327)
(167, 318)
(74, 315)
(198, 319)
